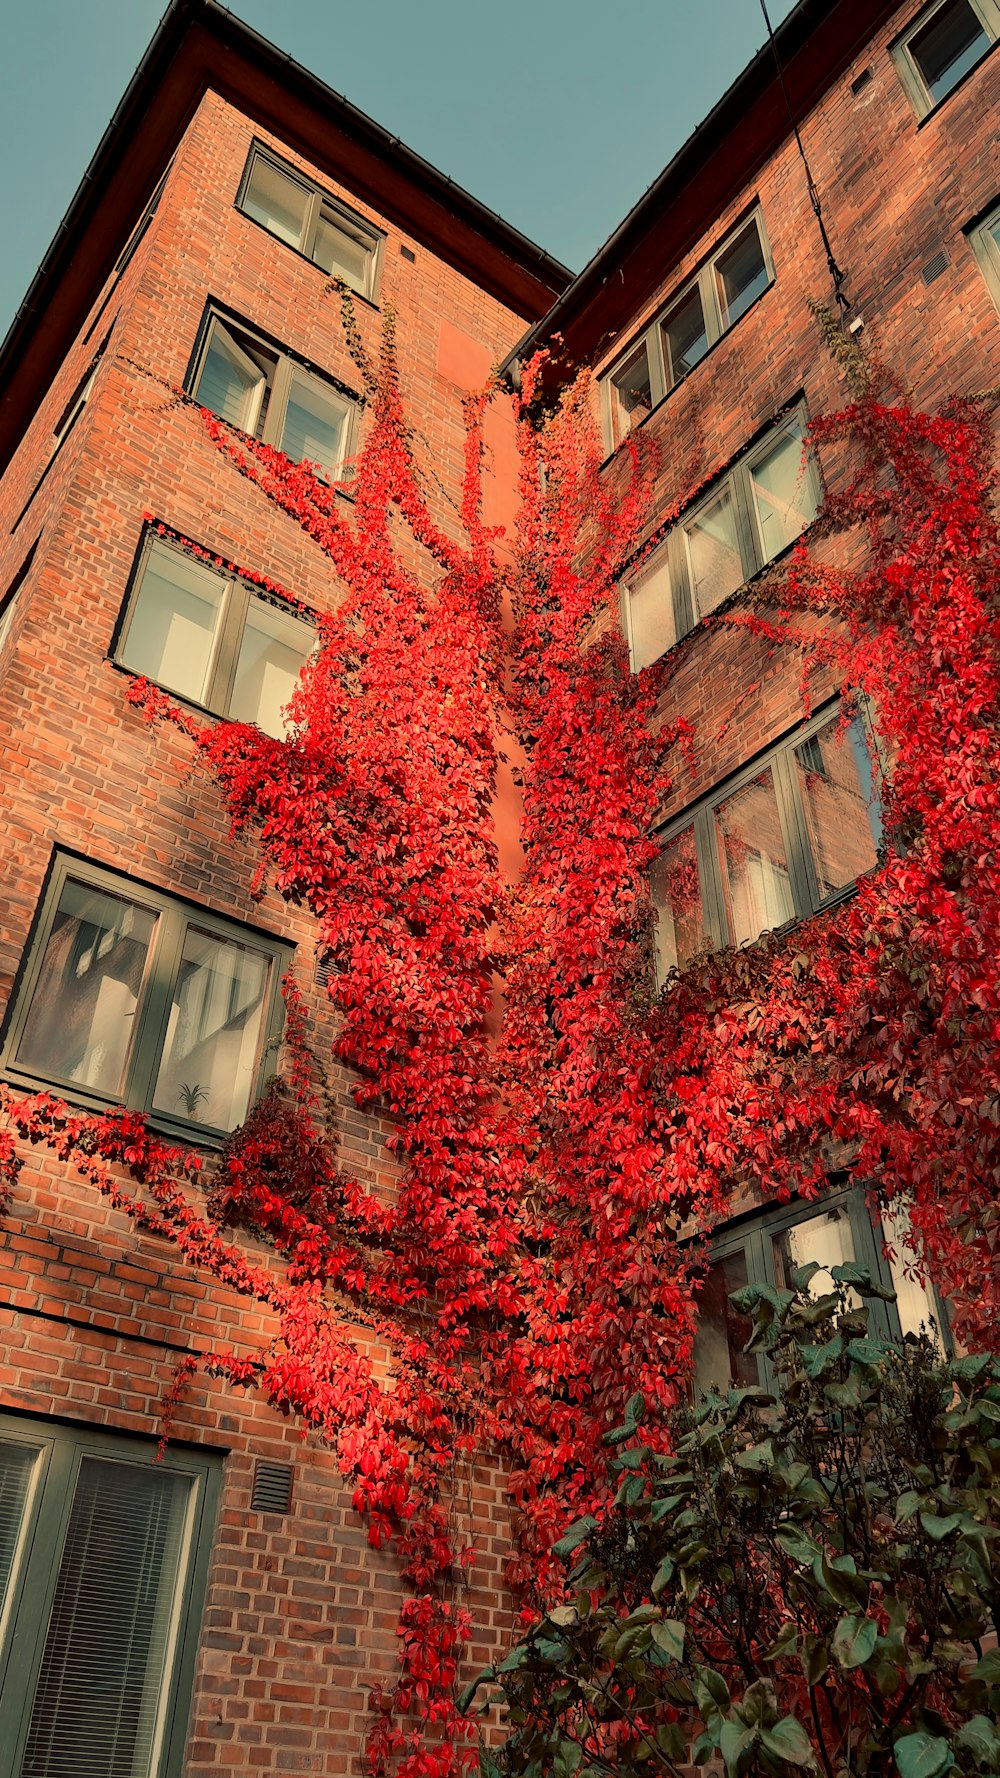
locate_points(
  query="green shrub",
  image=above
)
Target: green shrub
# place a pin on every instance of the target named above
(803, 1584)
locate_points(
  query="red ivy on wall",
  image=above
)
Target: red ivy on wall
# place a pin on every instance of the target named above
(526, 1277)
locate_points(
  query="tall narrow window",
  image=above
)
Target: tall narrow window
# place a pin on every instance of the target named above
(102, 1562)
(8, 600)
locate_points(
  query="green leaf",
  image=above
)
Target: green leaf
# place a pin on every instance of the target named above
(987, 1668)
(669, 1637)
(785, 1643)
(711, 1691)
(938, 1528)
(907, 1504)
(735, 1743)
(577, 1534)
(663, 1576)
(815, 1658)
(979, 1738)
(854, 1641)
(788, 1740)
(817, 1359)
(802, 1276)
(469, 1691)
(797, 1544)
(757, 1457)
(868, 1353)
(921, 1755)
(564, 1616)
(861, 1280)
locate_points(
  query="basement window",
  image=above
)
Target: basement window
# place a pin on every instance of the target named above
(203, 632)
(752, 515)
(266, 392)
(297, 212)
(131, 997)
(785, 837)
(699, 314)
(944, 42)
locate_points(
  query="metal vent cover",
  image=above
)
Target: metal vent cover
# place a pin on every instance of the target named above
(858, 85)
(935, 266)
(272, 1487)
(322, 970)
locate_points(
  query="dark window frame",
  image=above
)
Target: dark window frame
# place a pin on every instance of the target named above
(672, 550)
(238, 601)
(908, 67)
(270, 418)
(778, 758)
(8, 600)
(704, 282)
(174, 915)
(753, 1235)
(321, 206)
(43, 1530)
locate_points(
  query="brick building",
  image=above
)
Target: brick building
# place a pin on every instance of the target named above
(197, 1618)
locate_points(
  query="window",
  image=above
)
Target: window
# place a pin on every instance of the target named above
(291, 207)
(757, 509)
(984, 238)
(103, 1556)
(130, 997)
(700, 314)
(68, 419)
(941, 46)
(9, 598)
(766, 1248)
(263, 391)
(206, 634)
(785, 838)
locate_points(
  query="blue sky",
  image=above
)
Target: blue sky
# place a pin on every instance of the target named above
(556, 113)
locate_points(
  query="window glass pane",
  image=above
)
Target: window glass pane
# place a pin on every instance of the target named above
(719, 1359)
(112, 1631)
(340, 252)
(754, 865)
(676, 890)
(18, 1463)
(231, 382)
(741, 274)
(276, 201)
(274, 648)
(652, 629)
(631, 393)
(782, 492)
(83, 1010)
(315, 426)
(842, 816)
(686, 335)
(175, 622)
(826, 1238)
(714, 553)
(213, 1032)
(914, 1302)
(948, 46)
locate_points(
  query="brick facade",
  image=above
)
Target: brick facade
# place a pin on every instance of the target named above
(300, 1614)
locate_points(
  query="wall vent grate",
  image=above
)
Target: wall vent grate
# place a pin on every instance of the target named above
(272, 1488)
(858, 85)
(934, 266)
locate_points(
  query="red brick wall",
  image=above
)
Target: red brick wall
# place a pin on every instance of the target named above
(893, 194)
(301, 1615)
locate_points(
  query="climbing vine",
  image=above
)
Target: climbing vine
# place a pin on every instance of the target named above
(534, 1267)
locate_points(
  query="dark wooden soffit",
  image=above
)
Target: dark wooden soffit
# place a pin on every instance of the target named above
(815, 43)
(200, 47)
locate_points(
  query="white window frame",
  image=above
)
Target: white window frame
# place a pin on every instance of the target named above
(238, 600)
(907, 66)
(705, 282)
(673, 549)
(163, 962)
(266, 413)
(320, 206)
